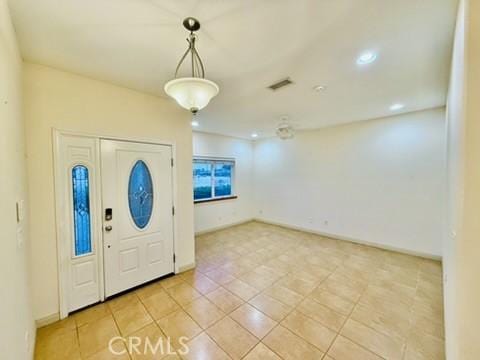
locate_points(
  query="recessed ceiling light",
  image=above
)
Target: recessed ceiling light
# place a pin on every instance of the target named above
(195, 123)
(366, 58)
(254, 135)
(319, 88)
(396, 107)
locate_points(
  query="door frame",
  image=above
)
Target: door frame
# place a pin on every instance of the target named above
(63, 251)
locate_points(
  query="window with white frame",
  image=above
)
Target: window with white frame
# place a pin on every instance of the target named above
(213, 179)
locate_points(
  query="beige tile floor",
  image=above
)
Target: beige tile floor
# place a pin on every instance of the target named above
(265, 292)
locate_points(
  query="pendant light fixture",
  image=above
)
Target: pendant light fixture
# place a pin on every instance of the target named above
(195, 92)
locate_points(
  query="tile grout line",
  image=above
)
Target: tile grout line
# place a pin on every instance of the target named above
(411, 316)
(356, 305)
(290, 312)
(266, 246)
(116, 323)
(204, 331)
(181, 307)
(345, 321)
(278, 322)
(155, 321)
(349, 317)
(295, 307)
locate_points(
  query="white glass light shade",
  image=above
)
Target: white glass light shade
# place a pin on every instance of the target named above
(191, 93)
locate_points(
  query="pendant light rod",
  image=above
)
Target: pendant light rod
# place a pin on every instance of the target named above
(195, 92)
(197, 67)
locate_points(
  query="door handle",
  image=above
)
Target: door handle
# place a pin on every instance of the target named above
(108, 228)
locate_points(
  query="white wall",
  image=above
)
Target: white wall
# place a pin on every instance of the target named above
(455, 179)
(380, 181)
(66, 101)
(462, 245)
(17, 330)
(213, 215)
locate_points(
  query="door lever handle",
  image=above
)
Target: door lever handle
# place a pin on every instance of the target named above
(108, 228)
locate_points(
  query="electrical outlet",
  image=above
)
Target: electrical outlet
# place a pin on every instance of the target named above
(325, 222)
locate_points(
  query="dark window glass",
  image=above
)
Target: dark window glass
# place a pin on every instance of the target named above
(202, 180)
(140, 194)
(81, 210)
(212, 178)
(223, 179)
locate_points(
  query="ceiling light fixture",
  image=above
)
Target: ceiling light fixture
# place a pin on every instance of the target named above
(319, 88)
(367, 57)
(396, 107)
(285, 131)
(254, 135)
(195, 92)
(195, 123)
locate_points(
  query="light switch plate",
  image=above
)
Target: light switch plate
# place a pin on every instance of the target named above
(20, 211)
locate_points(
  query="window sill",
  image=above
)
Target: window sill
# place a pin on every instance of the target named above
(215, 199)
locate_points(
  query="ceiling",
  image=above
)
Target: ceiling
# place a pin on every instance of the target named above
(247, 45)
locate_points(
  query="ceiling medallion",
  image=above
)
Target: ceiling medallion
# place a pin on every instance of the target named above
(195, 92)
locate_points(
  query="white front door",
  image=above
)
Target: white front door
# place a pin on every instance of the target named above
(137, 213)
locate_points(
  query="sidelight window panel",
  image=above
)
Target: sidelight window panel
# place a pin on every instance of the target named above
(81, 210)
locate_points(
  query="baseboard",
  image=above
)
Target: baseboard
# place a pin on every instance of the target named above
(225, 226)
(356, 241)
(186, 267)
(33, 341)
(47, 320)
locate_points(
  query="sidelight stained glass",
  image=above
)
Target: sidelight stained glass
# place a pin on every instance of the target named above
(81, 210)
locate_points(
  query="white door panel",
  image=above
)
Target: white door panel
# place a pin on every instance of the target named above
(80, 260)
(139, 246)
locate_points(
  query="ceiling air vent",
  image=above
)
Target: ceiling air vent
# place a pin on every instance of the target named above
(280, 84)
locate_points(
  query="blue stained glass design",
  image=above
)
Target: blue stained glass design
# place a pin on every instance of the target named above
(81, 210)
(140, 194)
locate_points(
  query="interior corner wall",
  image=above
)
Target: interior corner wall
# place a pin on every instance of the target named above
(379, 181)
(468, 244)
(462, 245)
(17, 330)
(214, 215)
(57, 99)
(455, 183)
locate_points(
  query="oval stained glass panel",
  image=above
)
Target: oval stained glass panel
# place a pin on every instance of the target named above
(81, 210)
(140, 194)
